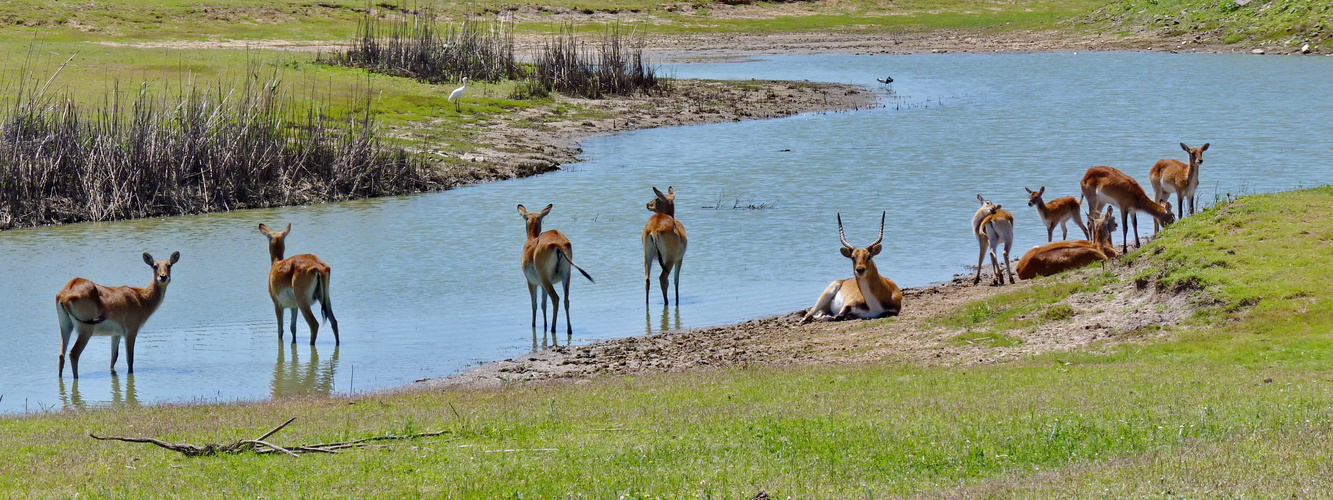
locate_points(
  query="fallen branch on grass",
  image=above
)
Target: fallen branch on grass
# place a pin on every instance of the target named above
(254, 445)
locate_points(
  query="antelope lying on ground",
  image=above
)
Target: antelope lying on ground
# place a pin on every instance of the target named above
(1058, 211)
(1171, 176)
(1061, 256)
(664, 240)
(867, 294)
(992, 226)
(296, 282)
(103, 310)
(1102, 185)
(547, 257)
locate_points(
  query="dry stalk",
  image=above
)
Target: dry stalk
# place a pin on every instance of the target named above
(252, 445)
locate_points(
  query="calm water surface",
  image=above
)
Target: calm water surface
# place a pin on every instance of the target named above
(426, 285)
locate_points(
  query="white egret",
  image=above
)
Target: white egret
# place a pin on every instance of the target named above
(457, 95)
(886, 80)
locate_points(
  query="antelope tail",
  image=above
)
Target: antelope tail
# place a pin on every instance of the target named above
(322, 282)
(660, 262)
(100, 318)
(570, 260)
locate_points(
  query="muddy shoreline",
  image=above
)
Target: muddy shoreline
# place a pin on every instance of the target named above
(925, 334)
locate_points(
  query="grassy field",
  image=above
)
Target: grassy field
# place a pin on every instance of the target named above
(1236, 403)
(1288, 22)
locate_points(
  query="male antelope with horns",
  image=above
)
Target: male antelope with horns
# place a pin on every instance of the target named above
(295, 283)
(664, 240)
(546, 260)
(118, 311)
(866, 295)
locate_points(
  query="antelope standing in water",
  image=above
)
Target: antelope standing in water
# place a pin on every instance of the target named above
(1060, 256)
(546, 260)
(1058, 211)
(1172, 176)
(993, 225)
(296, 282)
(104, 310)
(664, 240)
(1102, 185)
(867, 294)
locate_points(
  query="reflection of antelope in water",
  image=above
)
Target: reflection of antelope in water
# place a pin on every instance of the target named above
(73, 398)
(664, 241)
(301, 379)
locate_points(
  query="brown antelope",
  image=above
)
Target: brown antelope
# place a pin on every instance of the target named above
(1057, 211)
(1061, 256)
(1102, 185)
(664, 240)
(1172, 176)
(104, 310)
(296, 282)
(866, 295)
(547, 257)
(992, 226)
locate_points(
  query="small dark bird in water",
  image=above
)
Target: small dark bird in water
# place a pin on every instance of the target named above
(886, 80)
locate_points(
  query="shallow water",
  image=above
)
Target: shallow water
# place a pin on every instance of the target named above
(426, 285)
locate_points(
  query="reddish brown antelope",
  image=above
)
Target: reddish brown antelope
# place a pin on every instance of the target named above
(547, 257)
(1172, 176)
(118, 311)
(1061, 256)
(664, 240)
(1102, 185)
(867, 294)
(992, 226)
(295, 283)
(1057, 211)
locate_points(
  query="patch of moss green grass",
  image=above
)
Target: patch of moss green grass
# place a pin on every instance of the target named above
(1225, 21)
(1212, 409)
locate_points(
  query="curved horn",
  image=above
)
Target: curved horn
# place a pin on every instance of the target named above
(881, 229)
(842, 236)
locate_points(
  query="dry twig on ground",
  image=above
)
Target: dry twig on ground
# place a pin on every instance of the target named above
(194, 450)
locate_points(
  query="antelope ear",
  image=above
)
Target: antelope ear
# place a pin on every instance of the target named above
(1184, 147)
(263, 228)
(148, 259)
(1025, 188)
(522, 211)
(1204, 147)
(547, 210)
(175, 256)
(874, 249)
(998, 207)
(980, 199)
(288, 230)
(671, 191)
(659, 193)
(1042, 190)
(846, 252)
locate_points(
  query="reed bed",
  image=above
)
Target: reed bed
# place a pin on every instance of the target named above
(416, 47)
(197, 150)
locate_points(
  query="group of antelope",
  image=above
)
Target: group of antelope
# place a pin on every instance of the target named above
(870, 295)
(297, 282)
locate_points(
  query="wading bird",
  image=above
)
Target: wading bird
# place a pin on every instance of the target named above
(457, 95)
(886, 80)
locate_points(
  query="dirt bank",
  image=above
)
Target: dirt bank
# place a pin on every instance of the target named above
(925, 334)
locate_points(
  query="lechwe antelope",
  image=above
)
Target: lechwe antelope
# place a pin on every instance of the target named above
(547, 257)
(118, 311)
(1172, 176)
(296, 282)
(1057, 211)
(1061, 256)
(664, 240)
(992, 226)
(1102, 185)
(867, 294)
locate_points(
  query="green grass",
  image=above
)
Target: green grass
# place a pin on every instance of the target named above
(1238, 393)
(1295, 22)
